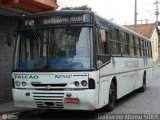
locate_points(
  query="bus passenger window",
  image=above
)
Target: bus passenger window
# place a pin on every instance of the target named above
(114, 42)
(140, 49)
(144, 48)
(124, 43)
(137, 44)
(132, 46)
(150, 50)
(113, 34)
(115, 47)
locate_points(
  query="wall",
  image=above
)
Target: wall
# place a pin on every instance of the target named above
(6, 57)
(159, 42)
(154, 40)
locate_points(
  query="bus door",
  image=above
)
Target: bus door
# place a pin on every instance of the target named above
(103, 58)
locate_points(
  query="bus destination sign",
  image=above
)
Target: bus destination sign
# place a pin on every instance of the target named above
(54, 20)
(65, 19)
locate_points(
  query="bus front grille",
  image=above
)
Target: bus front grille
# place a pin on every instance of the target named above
(48, 100)
(49, 86)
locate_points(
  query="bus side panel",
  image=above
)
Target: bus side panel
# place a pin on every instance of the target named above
(146, 67)
(125, 83)
(104, 85)
(130, 72)
(149, 72)
(139, 80)
(95, 75)
(104, 91)
(126, 72)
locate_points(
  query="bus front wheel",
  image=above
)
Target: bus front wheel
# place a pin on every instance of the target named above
(112, 98)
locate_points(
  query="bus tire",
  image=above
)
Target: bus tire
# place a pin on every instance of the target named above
(112, 98)
(143, 88)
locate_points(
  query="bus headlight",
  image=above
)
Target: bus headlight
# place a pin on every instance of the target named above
(23, 84)
(84, 83)
(17, 83)
(76, 83)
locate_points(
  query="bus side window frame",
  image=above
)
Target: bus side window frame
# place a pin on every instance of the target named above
(102, 58)
(137, 46)
(114, 41)
(150, 47)
(105, 42)
(132, 45)
(124, 42)
(140, 47)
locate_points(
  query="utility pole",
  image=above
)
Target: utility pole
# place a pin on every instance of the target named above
(157, 12)
(135, 13)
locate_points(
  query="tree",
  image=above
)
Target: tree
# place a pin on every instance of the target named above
(84, 7)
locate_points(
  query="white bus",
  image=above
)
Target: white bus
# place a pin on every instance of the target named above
(76, 60)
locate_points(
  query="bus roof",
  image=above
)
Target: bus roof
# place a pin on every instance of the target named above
(123, 28)
(50, 13)
(77, 12)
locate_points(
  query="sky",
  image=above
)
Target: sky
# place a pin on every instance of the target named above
(120, 11)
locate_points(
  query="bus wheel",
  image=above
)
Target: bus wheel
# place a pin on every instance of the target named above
(143, 88)
(112, 98)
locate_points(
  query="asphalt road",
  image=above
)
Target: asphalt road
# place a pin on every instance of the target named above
(134, 103)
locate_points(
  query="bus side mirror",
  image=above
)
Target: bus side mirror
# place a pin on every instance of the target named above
(11, 35)
(10, 38)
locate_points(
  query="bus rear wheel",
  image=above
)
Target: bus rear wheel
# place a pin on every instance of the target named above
(112, 98)
(143, 88)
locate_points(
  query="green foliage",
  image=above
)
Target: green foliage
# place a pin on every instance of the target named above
(84, 7)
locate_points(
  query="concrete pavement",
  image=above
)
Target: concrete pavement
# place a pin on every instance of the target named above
(7, 107)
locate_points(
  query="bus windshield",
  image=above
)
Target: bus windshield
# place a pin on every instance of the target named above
(66, 48)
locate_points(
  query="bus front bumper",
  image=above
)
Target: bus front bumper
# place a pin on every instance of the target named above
(67, 100)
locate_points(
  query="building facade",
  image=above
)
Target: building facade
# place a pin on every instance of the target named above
(155, 44)
(31, 5)
(6, 57)
(10, 11)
